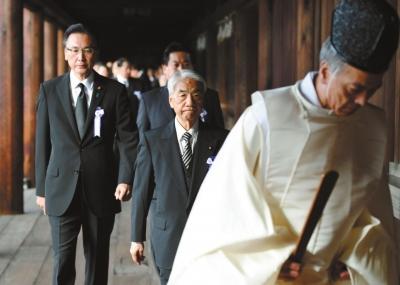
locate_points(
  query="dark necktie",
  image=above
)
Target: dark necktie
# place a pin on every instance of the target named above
(187, 151)
(81, 110)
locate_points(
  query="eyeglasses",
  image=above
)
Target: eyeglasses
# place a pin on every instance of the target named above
(76, 51)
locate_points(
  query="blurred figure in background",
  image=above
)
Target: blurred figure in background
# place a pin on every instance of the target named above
(101, 69)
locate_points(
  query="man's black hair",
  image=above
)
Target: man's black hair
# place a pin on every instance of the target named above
(81, 29)
(173, 47)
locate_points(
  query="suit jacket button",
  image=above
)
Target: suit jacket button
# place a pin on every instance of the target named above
(76, 172)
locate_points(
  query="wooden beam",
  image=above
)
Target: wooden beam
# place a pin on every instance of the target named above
(61, 65)
(33, 76)
(50, 50)
(50, 10)
(396, 95)
(11, 171)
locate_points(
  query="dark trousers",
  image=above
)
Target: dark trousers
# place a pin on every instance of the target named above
(163, 273)
(96, 243)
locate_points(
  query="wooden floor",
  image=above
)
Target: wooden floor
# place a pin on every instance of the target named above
(26, 256)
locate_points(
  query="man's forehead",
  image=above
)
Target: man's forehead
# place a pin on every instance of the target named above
(78, 37)
(188, 81)
(356, 76)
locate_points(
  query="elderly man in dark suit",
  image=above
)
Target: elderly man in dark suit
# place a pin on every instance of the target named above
(171, 165)
(79, 184)
(154, 110)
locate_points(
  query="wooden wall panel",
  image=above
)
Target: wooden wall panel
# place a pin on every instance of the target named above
(11, 110)
(284, 42)
(288, 39)
(211, 64)
(246, 52)
(240, 56)
(305, 37)
(264, 44)
(50, 50)
(61, 63)
(396, 95)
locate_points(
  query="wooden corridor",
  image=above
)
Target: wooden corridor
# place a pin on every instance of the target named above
(26, 255)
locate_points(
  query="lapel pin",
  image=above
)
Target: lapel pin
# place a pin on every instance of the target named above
(98, 91)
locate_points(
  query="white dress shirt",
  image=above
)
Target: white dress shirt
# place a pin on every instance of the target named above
(76, 90)
(194, 131)
(123, 80)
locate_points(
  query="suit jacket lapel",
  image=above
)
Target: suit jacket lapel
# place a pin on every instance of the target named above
(170, 149)
(97, 96)
(169, 112)
(64, 95)
(206, 147)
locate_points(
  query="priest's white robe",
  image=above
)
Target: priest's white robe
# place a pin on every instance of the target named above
(254, 201)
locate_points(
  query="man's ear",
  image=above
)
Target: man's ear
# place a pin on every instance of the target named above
(163, 68)
(324, 72)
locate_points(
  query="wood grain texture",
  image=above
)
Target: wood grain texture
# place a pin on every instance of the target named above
(11, 94)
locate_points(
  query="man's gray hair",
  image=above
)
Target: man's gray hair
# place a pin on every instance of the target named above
(183, 74)
(329, 54)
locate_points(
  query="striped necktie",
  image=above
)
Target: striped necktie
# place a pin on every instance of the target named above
(187, 150)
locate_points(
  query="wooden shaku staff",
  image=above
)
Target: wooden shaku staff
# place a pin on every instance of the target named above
(321, 198)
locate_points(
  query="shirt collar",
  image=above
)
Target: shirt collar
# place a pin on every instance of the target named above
(181, 130)
(307, 89)
(123, 80)
(88, 81)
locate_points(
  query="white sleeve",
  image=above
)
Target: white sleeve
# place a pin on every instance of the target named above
(230, 237)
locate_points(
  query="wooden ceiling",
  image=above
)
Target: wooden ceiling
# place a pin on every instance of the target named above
(138, 29)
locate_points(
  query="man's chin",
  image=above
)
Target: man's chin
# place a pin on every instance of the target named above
(82, 71)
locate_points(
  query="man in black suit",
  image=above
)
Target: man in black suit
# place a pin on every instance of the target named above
(154, 110)
(133, 86)
(79, 184)
(168, 175)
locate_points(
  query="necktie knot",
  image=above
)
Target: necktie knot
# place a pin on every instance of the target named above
(187, 137)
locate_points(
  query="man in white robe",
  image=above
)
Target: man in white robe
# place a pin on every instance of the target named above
(255, 199)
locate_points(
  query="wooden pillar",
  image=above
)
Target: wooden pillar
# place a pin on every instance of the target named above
(241, 63)
(221, 76)
(11, 169)
(327, 6)
(50, 50)
(60, 53)
(211, 60)
(264, 44)
(33, 76)
(245, 53)
(284, 42)
(305, 37)
(396, 158)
